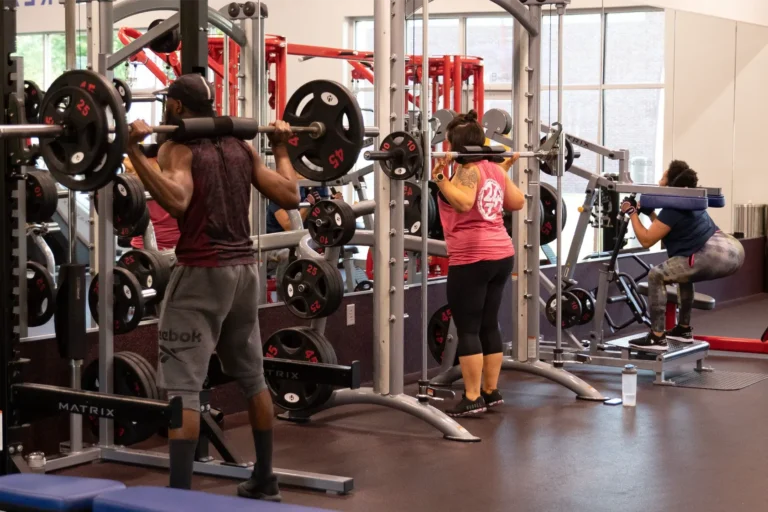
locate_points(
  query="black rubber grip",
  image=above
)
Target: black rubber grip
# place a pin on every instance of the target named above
(210, 127)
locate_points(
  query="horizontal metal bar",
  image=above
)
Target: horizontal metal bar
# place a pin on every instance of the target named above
(628, 188)
(137, 45)
(506, 154)
(29, 130)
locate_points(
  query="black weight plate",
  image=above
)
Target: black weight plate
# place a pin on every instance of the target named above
(32, 98)
(364, 286)
(443, 118)
(149, 268)
(168, 42)
(412, 210)
(42, 196)
(128, 300)
(311, 288)
(127, 381)
(112, 146)
(334, 154)
(325, 348)
(297, 344)
(41, 295)
(124, 91)
(571, 310)
(128, 201)
(548, 199)
(587, 304)
(76, 150)
(546, 168)
(153, 391)
(408, 157)
(437, 332)
(331, 223)
(436, 229)
(136, 229)
(497, 121)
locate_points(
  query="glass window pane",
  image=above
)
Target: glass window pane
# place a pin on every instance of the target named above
(30, 47)
(364, 35)
(581, 65)
(491, 39)
(634, 48)
(580, 118)
(443, 37)
(634, 120)
(57, 56)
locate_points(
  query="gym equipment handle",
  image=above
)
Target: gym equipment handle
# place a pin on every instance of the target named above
(392, 154)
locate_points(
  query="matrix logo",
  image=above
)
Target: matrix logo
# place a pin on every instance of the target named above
(86, 409)
(184, 337)
(31, 3)
(281, 374)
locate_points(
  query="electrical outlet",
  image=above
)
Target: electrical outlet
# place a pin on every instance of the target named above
(350, 314)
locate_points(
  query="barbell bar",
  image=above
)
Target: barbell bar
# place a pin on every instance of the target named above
(315, 129)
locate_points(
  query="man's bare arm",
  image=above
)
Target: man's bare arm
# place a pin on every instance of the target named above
(171, 184)
(278, 186)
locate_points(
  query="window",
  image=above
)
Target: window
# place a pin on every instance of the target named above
(32, 48)
(581, 52)
(491, 39)
(634, 48)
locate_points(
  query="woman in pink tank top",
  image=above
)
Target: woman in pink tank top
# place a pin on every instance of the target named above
(481, 259)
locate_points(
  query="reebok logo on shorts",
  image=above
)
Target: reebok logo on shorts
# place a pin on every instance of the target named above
(184, 337)
(168, 353)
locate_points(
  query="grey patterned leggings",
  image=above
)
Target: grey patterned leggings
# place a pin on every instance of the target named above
(720, 257)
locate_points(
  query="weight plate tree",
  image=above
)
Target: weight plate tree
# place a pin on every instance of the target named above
(299, 344)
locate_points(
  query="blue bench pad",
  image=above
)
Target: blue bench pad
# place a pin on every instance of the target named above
(52, 492)
(160, 499)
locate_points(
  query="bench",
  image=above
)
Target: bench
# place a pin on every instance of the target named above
(32, 491)
(700, 301)
(38, 492)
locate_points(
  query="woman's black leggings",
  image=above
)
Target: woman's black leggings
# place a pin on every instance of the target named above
(474, 296)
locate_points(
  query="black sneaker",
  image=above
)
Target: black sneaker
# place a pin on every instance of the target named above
(650, 342)
(681, 334)
(467, 407)
(260, 489)
(493, 398)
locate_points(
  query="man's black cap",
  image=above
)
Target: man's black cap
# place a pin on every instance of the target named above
(193, 91)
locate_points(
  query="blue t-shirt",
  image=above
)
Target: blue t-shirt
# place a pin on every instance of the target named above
(689, 230)
(273, 226)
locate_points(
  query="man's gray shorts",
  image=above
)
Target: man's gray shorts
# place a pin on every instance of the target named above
(206, 310)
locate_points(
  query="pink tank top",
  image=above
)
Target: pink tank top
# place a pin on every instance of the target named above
(166, 228)
(479, 234)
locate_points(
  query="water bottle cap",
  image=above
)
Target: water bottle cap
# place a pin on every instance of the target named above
(629, 367)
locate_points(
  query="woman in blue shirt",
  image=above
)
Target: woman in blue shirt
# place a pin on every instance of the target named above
(697, 250)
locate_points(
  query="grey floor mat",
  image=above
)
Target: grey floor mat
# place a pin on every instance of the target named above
(718, 380)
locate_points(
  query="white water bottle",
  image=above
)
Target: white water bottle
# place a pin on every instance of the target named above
(629, 385)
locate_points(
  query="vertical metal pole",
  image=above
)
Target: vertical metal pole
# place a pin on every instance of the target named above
(397, 107)
(534, 129)
(382, 255)
(70, 39)
(193, 29)
(425, 139)
(225, 80)
(106, 246)
(92, 31)
(558, 353)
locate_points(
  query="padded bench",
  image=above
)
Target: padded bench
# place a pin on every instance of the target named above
(160, 499)
(32, 491)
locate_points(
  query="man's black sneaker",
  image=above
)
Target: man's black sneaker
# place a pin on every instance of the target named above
(681, 334)
(467, 407)
(493, 398)
(650, 342)
(260, 489)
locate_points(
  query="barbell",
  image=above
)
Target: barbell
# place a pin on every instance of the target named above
(85, 130)
(401, 156)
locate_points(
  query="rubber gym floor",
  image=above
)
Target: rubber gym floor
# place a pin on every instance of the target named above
(679, 450)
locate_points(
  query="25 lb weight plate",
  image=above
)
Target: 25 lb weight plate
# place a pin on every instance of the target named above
(128, 300)
(41, 295)
(331, 223)
(105, 151)
(42, 196)
(129, 379)
(587, 305)
(312, 288)
(571, 310)
(128, 202)
(150, 268)
(298, 344)
(335, 153)
(548, 197)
